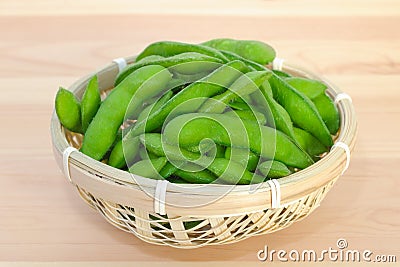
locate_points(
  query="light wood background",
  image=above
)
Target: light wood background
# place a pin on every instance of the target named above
(45, 44)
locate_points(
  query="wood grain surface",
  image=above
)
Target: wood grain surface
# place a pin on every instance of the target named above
(45, 44)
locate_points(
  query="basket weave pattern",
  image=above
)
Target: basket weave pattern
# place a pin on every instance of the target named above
(235, 217)
(218, 230)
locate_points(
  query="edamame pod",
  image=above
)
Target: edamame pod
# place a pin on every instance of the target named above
(102, 131)
(309, 143)
(189, 129)
(328, 111)
(168, 170)
(282, 74)
(229, 171)
(68, 110)
(274, 169)
(198, 177)
(190, 78)
(315, 91)
(250, 115)
(217, 151)
(244, 85)
(310, 88)
(128, 155)
(211, 85)
(90, 102)
(239, 105)
(195, 63)
(243, 156)
(301, 110)
(256, 51)
(150, 109)
(149, 168)
(168, 49)
(280, 118)
(251, 64)
(144, 154)
(232, 172)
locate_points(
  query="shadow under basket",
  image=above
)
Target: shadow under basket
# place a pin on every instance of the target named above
(200, 215)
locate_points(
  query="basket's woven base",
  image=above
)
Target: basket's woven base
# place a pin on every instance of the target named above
(191, 232)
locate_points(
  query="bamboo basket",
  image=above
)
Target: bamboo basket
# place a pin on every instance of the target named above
(242, 211)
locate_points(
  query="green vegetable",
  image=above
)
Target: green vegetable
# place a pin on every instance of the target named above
(196, 63)
(90, 102)
(149, 168)
(243, 156)
(301, 110)
(102, 131)
(168, 49)
(328, 111)
(274, 169)
(189, 129)
(309, 143)
(68, 110)
(310, 88)
(256, 51)
(244, 85)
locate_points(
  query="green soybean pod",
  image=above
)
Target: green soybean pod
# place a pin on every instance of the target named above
(251, 64)
(309, 87)
(102, 131)
(282, 74)
(149, 58)
(237, 104)
(146, 93)
(168, 170)
(150, 109)
(211, 150)
(211, 85)
(193, 63)
(309, 143)
(152, 142)
(149, 168)
(328, 112)
(145, 112)
(274, 169)
(301, 110)
(189, 130)
(250, 115)
(280, 118)
(144, 154)
(315, 91)
(176, 84)
(256, 51)
(119, 155)
(230, 172)
(68, 110)
(198, 177)
(189, 78)
(129, 154)
(90, 102)
(244, 85)
(169, 48)
(243, 156)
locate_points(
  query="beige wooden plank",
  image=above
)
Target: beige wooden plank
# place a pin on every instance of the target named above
(42, 217)
(204, 7)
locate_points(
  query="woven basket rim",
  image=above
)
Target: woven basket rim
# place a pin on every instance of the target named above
(330, 164)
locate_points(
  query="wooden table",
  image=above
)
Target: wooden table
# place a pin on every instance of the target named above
(45, 44)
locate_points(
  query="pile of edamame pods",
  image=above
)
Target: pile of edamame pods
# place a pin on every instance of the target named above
(204, 113)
